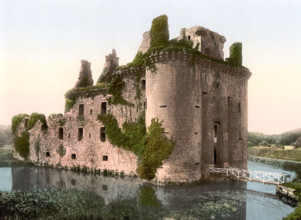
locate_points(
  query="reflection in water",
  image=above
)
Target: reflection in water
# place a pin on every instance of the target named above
(5, 179)
(219, 200)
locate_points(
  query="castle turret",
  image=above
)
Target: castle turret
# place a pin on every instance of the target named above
(85, 75)
(208, 42)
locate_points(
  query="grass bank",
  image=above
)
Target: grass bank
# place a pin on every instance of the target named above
(276, 153)
(7, 160)
(297, 212)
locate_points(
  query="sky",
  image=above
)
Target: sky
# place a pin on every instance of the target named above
(43, 41)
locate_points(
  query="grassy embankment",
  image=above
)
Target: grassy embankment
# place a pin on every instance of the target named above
(7, 160)
(276, 153)
(297, 212)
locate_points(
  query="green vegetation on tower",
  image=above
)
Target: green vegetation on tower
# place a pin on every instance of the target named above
(159, 31)
(16, 120)
(235, 58)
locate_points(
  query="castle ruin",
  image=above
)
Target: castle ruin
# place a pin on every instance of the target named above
(200, 99)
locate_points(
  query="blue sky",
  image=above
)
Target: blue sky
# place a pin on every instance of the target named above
(43, 41)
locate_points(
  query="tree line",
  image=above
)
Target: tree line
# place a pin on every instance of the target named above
(5, 135)
(288, 138)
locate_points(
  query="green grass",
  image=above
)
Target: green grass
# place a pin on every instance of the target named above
(276, 153)
(75, 204)
(7, 160)
(50, 202)
(296, 215)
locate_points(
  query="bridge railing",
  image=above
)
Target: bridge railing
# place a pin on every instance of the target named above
(252, 175)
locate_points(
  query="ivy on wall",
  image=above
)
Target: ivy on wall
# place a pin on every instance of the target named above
(159, 31)
(151, 147)
(235, 58)
(21, 144)
(16, 120)
(34, 118)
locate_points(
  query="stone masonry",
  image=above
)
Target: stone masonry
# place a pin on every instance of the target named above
(202, 103)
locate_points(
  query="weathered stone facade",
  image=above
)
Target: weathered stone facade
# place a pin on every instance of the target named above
(202, 103)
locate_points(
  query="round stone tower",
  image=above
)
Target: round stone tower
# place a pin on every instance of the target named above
(173, 95)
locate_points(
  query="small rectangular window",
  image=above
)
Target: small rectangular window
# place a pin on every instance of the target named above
(197, 106)
(143, 84)
(89, 135)
(47, 154)
(103, 134)
(104, 187)
(239, 136)
(80, 134)
(68, 135)
(81, 110)
(162, 106)
(61, 133)
(73, 156)
(91, 111)
(105, 158)
(103, 108)
(196, 132)
(239, 107)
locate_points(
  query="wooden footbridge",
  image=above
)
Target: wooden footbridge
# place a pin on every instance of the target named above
(251, 175)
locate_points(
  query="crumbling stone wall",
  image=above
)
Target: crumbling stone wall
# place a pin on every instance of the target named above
(208, 42)
(202, 103)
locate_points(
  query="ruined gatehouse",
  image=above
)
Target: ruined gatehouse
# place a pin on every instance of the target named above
(184, 85)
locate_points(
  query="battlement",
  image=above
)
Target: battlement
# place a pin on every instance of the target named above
(198, 59)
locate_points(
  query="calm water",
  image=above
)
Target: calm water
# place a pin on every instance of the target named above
(219, 200)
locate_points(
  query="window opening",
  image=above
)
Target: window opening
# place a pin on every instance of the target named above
(80, 134)
(81, 110)
(61, 133)
(73, 156)
(103, 108)
(143, 84)
(105, 158)
(103, 134)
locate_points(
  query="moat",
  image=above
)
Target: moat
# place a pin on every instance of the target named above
(215, 200)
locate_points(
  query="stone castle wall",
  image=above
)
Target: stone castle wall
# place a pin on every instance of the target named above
(192, 96)
(90, 150)
(203, 106)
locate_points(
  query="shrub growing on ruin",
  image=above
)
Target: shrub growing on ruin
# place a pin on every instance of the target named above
(235, 58)
(34, 118)
(158, 148)
(16, 120)
(69, 103)
(21, 144)
(61, 150)
(159, 31)
(151, 147)
(115, 88)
